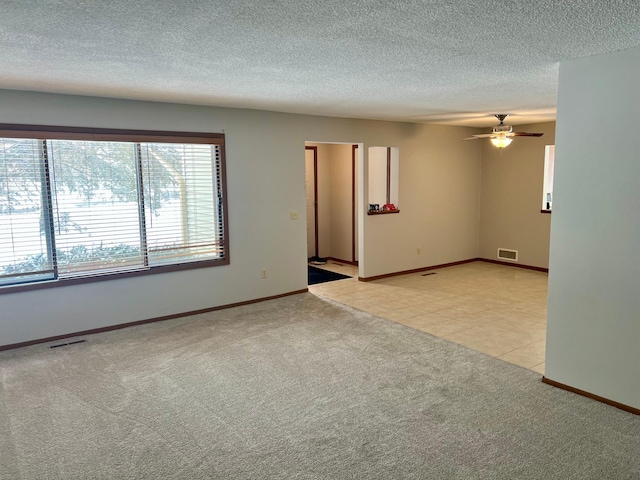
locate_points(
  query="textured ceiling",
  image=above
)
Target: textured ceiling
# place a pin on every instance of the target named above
(452, 62)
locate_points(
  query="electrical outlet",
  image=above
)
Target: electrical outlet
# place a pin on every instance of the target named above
(264, 274)
(293, 215)
(418, 251)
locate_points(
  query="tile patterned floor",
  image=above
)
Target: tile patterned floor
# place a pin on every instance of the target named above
(498, 310)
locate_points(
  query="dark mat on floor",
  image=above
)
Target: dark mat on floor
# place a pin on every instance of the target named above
(318, 275)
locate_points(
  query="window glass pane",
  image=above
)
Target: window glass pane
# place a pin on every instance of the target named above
(24, 252)
(95, 207)
(183, 214)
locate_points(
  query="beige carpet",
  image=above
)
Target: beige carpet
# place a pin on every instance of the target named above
(295, 388)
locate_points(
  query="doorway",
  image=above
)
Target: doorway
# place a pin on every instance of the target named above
(331, 173)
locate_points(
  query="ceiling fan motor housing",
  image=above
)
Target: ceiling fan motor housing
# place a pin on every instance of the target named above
(502, 129)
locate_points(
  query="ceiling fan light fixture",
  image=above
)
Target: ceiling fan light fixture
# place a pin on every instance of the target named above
(501, 142)
(502, 135)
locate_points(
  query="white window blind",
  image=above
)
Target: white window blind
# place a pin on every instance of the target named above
(81, 206)
(183, 219)
(25, 253)
(95, 206)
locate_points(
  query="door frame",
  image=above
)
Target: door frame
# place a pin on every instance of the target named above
(354, 219)
(354, 192)
(315, 197)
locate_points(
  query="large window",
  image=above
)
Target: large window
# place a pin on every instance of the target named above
(87, 203)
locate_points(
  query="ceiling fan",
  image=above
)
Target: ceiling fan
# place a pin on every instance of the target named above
(502, 135)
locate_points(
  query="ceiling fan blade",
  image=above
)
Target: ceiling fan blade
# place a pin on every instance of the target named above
(483, 135)
(524, 134)
(509, 134)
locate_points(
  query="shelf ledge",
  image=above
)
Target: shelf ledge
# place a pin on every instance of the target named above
(383, 212)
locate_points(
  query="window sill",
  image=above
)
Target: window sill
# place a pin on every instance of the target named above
(545, 211)
(383, 212)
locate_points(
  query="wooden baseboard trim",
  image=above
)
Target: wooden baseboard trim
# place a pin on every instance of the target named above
(452, 264)
(517, 265)
(149, 320)
(416, 270)
(339, 260)
(598, 398)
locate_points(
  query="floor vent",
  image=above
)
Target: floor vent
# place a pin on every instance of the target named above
(506, 254)
(58, 345)
(426, 274)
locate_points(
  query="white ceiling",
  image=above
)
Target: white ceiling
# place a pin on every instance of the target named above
(452, 62)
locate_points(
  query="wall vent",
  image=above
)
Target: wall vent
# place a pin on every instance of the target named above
(506, 254)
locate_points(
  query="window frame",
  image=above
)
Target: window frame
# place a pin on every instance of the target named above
(125, 135)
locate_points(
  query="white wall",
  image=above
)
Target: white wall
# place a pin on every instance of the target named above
(439, 188)
(439, 199)
(593, 331)
(511, 199)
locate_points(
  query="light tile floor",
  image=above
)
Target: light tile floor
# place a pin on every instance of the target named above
(498, 310)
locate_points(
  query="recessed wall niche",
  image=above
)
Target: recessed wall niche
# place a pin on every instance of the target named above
(383, 179)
